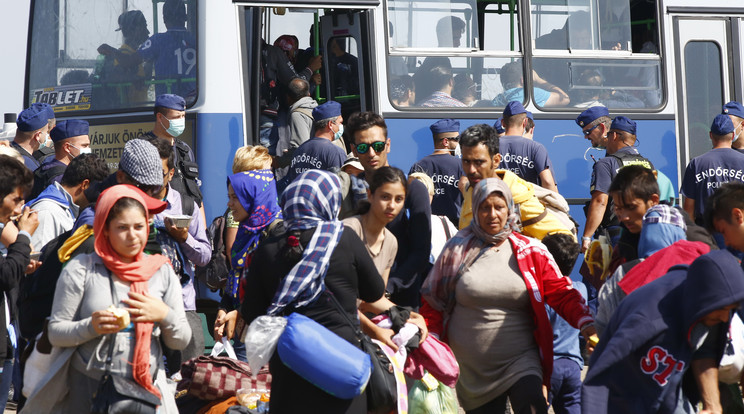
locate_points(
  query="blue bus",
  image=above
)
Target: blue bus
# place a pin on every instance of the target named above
(668, 64)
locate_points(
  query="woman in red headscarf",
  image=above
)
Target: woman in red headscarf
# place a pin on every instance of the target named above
(143, 284)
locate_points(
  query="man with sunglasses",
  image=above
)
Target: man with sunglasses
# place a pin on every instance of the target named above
(320, 152)
(412, 227)
(444, 169)
(618, 138)
(524, 157)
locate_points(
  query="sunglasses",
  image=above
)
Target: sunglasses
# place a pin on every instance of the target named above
(589, 131)
(378, 146)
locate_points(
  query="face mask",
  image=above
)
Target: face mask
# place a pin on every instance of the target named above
(81, 151)
(736, 136)
(46, 139)
(457, 152)
(340, 133)
(176, 126)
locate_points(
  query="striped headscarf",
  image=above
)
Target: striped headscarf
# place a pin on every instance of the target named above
(313, 200)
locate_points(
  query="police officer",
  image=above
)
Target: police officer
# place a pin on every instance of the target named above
(499, 128)
(524, 157)
(47, 150)
(32, 133)
(170, 122)
(619, 140)
(320, 152)
(705, 173)
(735, 111)
(70, 139)
(444, 169)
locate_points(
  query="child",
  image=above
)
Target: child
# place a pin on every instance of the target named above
(565, 384)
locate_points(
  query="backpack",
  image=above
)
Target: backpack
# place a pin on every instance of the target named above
(626, 159)
(214, 274)
(43, 178)
(556, 204)
(36, 291)
(609, 219)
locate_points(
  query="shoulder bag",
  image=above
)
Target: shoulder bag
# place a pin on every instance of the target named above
(382, 395)
(119, 395)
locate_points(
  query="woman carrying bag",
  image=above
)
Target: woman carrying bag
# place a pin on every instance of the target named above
(291, 273)
(486, 296)
(82, 321)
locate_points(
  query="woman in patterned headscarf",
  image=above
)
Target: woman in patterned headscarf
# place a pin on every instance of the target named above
(485, 297)
(253, 202)
(296, 271)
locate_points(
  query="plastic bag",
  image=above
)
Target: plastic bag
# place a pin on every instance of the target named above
(226, 346)
(260, 340)
(732, 362)
(429, 396)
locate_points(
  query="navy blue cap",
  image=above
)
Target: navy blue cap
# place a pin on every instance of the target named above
(514, 108)
(623, 123)
(590, 114)
(46, 107)
(529, 115)
(32, 118)
(445, 125)
(722, 125)
(170, 101)
(68, 129)
(733, 108)
(498, 127)
(330, 109)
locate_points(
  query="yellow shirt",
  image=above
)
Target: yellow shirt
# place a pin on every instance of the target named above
(530, 207)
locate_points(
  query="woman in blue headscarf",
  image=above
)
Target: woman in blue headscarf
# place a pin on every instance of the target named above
(294, 272)
(253, 201)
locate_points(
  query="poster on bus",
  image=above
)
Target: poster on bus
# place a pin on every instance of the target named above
(64, 98)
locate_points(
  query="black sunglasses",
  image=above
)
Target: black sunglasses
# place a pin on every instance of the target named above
(378, 146)
(589, 131)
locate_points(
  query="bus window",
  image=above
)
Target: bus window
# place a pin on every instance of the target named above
(112, 56)
(626, 74)
(704, 90)
(501, 27)
(454, 82)
(421, 76)
(411, 24)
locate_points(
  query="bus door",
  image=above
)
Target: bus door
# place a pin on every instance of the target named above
(704, 61)
(347, 59)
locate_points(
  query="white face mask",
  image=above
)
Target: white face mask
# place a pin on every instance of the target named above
(82, 150)
(457, 152)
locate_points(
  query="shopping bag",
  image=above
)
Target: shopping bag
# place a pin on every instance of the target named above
(429, 396)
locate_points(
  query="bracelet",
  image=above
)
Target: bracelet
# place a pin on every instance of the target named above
(586, 238)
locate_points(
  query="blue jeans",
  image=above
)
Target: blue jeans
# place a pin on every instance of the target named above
(565, 387)
(6, 378)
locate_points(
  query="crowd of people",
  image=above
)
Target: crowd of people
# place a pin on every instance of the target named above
(476, 242)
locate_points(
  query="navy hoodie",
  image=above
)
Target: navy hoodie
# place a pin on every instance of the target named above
(648, 345)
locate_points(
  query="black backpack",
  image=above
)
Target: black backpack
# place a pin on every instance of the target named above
(36, 291)
(215, 273)
(43, 178)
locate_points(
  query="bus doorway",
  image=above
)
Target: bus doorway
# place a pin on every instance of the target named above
(704, 61)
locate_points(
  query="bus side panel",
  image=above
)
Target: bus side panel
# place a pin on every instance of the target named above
(566, 146)
(218, 136)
